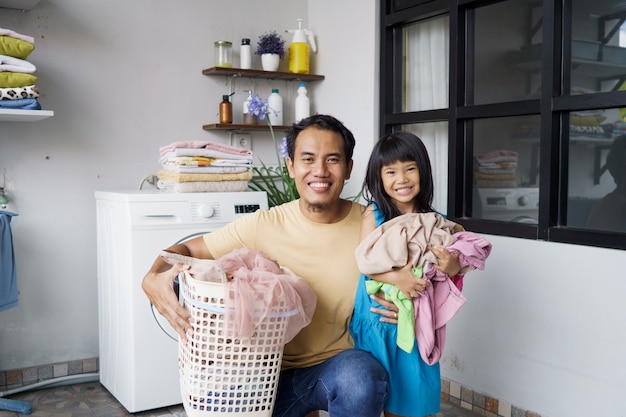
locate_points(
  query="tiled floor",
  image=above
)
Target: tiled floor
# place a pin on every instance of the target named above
(92, 400)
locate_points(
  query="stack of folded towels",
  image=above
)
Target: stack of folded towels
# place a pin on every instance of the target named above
(17, 82)
(496, 169)
(203, 166)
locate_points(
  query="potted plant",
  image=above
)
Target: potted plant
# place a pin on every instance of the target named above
(271, 47)
(275, 181)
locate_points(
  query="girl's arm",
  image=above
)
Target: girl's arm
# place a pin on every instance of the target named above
(402, 278)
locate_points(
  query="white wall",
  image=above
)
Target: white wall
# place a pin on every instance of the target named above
(123, 79)
(541, 329)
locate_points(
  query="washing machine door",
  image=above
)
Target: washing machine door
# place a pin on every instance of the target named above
(162, 321)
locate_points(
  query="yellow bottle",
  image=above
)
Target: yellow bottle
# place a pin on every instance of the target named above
(299, 57)
(299, 49)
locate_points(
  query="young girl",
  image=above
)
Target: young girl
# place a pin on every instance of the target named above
(399, 181)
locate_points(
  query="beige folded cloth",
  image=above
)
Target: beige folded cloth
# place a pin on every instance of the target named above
(171, 176)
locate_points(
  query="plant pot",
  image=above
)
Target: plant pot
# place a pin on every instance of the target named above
(270, 62)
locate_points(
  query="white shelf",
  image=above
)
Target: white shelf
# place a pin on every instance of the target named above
(11, 115)
(19, 4)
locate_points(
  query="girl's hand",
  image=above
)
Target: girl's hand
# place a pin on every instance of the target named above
(406, 282)
(447, 262)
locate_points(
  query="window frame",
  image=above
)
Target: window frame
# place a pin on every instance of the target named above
(552, 107)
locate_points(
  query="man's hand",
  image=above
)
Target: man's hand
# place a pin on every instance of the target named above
(389, 314)
(159, 287)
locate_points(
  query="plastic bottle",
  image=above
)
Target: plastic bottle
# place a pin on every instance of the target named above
(248, 119)
(275, 104)
(226, 110)
(299, 49)
(303, 104)
(245, 54)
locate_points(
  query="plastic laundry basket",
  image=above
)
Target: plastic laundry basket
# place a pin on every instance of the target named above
(221, 375)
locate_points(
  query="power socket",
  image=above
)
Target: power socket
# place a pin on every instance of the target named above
(241, 140)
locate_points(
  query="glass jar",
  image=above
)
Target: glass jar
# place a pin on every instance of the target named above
(224, 54)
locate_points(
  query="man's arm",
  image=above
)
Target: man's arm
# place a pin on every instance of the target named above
(158, 284)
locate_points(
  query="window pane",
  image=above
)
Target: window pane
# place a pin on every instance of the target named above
(505, 169)
(507, 52)
(435, 137)
(425, 47)
(598, 48)
(597, 170)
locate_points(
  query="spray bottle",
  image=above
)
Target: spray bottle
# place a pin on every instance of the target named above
(299, 49)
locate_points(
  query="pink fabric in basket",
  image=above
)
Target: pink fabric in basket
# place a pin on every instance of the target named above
(255, 280)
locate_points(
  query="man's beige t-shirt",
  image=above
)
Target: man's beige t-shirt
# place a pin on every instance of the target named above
(321, 254)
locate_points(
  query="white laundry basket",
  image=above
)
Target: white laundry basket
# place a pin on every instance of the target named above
(221, 375)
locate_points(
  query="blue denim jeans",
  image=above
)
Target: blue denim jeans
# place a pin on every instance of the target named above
(349, 384)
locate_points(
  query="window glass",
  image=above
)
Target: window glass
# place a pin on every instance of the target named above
(425, 65)
(435, 137)
(597, 170)
(505, 170)
(598, 47)
(506, 63)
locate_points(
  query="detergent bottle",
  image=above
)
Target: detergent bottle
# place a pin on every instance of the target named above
(299, 49)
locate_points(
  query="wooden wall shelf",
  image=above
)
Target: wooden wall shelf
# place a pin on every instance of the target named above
(244, 128)
(252, 73)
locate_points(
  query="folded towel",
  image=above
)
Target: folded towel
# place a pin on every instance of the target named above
(206, 170)
(9, 63)
(204, 152)
(198, 144)
(15, 47)
(14, 93)
(165, 175)
(9, 32)
(497, 156)
(205, 161)
(21, 104)
(203, 186)
(10, 79)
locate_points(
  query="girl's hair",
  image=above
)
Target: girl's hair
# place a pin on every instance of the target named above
(398, 147)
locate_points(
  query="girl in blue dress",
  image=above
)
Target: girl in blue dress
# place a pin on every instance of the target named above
(398, 180)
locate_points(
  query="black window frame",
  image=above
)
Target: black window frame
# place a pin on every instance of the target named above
(553, 108)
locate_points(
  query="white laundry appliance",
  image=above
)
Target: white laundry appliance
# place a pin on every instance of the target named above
(519, 204)
(138, 348)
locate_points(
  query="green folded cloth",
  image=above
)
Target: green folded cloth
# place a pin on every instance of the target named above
(406, 318)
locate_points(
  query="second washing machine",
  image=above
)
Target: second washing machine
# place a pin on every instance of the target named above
(138, 348)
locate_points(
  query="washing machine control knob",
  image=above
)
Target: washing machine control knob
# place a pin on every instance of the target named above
(523, 200)
(206, 210)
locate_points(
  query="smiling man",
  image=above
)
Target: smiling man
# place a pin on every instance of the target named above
(315, 237)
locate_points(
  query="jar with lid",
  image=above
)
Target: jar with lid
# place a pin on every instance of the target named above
(224, 54)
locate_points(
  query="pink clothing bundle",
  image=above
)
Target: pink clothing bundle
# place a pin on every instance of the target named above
(252, 279)
(408, 238)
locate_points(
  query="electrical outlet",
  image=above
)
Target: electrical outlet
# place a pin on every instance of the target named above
(241, 140)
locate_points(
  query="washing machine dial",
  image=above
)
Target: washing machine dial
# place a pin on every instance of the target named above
(206, 210)
(523, 200)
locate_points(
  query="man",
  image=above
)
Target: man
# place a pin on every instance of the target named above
(315, 237)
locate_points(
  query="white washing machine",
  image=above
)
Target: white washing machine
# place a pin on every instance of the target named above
(507, 204)
(138, 348)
